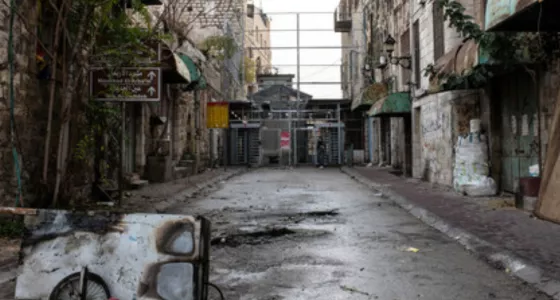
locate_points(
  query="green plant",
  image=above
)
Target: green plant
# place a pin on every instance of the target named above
(250, 70)
(100, 118)
(11, 228)
(219, 47)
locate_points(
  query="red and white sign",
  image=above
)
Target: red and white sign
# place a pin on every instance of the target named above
(285, 140)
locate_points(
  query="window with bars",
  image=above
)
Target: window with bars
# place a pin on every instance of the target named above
(439, 41)
(417, 71)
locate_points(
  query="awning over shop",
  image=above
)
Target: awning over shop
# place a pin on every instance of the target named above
(370, 95)
(179, 68)
(522, 15)
(458, 60)
(394, 105)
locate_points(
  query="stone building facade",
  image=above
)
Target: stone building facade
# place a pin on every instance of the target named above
(438, 118)
(257, 45)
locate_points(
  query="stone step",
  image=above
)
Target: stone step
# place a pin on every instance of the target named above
(185, 163)
(182, 172)
(138, 183)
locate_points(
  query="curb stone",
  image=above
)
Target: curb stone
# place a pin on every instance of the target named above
(176, 199)
(496, 256)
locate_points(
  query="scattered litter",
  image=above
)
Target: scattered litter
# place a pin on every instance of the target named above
(412, 249)
(106, 203)
(508, 270)
(353, 290)
(378, 194)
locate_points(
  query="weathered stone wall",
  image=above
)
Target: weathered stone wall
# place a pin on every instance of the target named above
(441, 119)
(397, 142)
(191, 134)
(28, 136)
(182, 123)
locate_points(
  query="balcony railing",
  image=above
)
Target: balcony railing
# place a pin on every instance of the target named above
(342, 20)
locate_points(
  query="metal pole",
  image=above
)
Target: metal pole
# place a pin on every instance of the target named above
(122, 154)
(340, 142)
(298, 86)
(291, 137)
(242, 20)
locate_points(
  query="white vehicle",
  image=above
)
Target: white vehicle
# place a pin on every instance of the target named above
(103, 255)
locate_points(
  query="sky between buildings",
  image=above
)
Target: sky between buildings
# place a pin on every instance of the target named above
(330, 57)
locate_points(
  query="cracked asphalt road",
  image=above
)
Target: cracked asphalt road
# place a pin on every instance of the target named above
(317, 234)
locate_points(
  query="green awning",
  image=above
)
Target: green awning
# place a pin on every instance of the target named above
(395, 104)
(182, 68)
(196, 78)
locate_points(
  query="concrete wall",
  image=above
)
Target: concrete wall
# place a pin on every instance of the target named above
(438, 120)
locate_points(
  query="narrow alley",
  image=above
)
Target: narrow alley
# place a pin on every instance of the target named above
(309, 234)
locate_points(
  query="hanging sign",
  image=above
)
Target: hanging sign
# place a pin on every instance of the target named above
(126, 84)
(217, 115)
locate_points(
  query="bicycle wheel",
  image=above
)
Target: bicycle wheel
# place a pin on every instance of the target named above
(69, 288)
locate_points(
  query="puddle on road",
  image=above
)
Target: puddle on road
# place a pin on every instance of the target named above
(251, 238)
(264, 236)
(321, 213)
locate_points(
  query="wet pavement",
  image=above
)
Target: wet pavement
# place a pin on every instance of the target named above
(317, 234)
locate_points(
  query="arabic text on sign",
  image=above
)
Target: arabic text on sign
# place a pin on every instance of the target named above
(125, 81)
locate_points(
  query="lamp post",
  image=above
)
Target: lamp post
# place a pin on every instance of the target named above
(403, 61)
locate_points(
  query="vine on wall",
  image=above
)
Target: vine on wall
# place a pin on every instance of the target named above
(508, 49)
(219, 47)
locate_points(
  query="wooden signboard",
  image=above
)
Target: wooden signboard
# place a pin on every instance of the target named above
(126, 84)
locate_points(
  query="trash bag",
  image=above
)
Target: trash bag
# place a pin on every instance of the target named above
(472, 169)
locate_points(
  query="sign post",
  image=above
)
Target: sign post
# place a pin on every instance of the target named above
(126, 84)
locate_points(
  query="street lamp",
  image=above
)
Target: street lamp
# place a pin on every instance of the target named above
(403, 61)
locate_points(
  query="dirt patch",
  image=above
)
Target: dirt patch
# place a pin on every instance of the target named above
(251, 238)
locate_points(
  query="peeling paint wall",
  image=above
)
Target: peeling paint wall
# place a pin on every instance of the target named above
(442, 118)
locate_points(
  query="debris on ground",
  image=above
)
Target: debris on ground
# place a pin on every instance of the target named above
(412, 249)
(353, 290)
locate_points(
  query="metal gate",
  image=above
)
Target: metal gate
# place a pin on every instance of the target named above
(333, 136)
(519, 119)
(244, 146)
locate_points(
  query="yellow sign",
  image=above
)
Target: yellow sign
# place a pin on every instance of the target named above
(217, 115)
